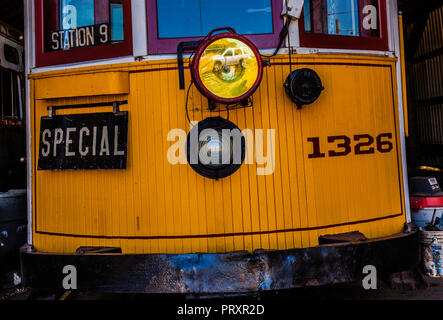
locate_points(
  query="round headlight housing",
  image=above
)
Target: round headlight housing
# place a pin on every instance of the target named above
(227, 68)
(303, 86)
(215, 148)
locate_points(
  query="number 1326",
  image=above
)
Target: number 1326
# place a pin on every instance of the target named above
(363, 144)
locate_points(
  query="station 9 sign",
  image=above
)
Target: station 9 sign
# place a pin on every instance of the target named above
(84, 141)
(80, 37)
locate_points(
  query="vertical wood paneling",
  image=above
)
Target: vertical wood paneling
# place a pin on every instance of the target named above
(177, 207)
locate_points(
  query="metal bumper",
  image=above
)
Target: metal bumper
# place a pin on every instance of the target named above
(235, 272)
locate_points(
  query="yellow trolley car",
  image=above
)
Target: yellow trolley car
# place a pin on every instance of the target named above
(206, 146)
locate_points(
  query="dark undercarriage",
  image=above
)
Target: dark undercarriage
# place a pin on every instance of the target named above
(237, 272)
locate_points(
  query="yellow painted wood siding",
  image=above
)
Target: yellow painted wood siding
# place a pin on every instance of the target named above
(156, 207)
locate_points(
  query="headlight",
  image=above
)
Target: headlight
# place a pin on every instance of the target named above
(303, 86)
(227, 68)
(215, 148)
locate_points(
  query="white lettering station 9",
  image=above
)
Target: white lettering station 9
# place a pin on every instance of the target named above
(84, 141)
(80, 37)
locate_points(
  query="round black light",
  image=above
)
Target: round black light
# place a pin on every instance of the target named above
(215, 148)
(303, 86)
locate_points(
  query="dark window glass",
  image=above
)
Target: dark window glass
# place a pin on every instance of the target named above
(11, 54)
(343, 17)
(7, 94)
(11, 97)
(196, 18)
(16, 96)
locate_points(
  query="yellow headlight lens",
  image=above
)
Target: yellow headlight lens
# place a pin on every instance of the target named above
(228, 68)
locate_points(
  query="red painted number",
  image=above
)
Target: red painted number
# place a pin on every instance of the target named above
(386, 145)
(315, 149)
(343, 145)
(359, 146)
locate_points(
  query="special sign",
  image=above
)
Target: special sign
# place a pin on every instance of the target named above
(84, 141)
(80, 37)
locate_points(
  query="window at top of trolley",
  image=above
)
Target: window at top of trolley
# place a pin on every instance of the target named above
(173, 21)
(342, 17)
(71, 24)
(344, 24)
(196, 18)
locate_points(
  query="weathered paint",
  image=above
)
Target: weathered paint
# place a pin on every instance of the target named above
(156, 207)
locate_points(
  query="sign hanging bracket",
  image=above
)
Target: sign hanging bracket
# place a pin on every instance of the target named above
(114, 104)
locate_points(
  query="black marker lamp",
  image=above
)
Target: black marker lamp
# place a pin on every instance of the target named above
(303, 86)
